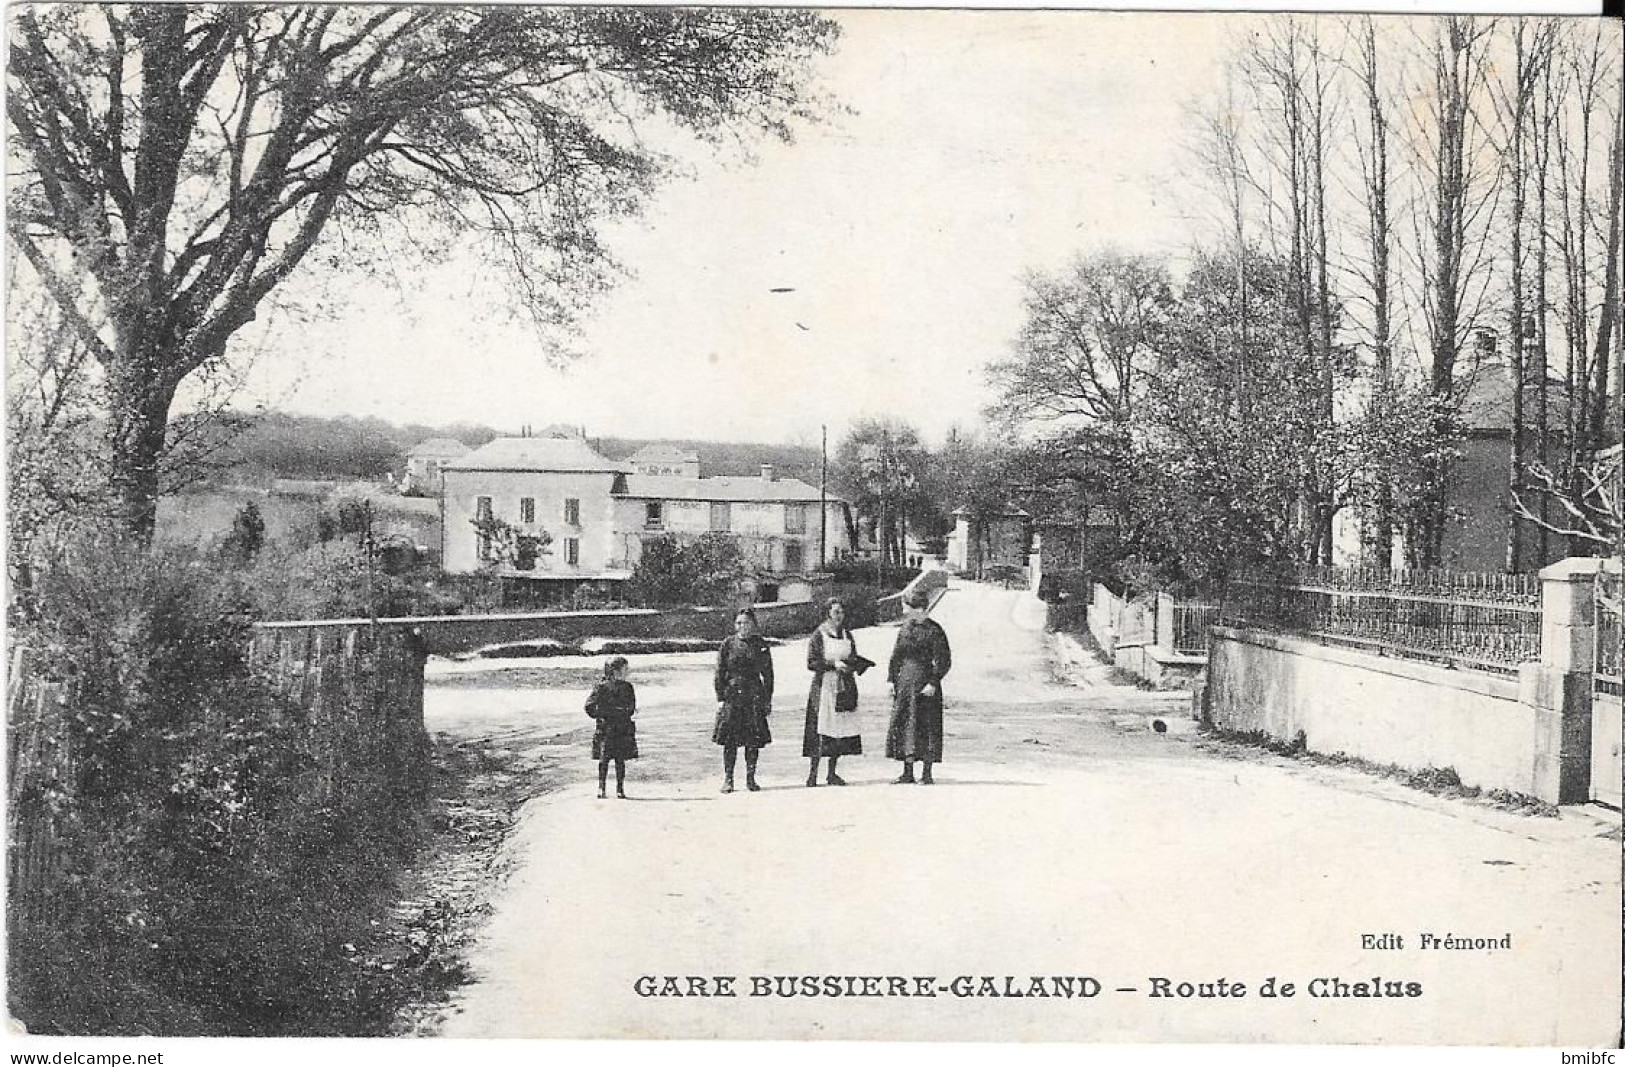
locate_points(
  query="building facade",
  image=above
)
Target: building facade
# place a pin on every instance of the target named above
(776, 520)
(600, 512)
(535, 485)
(1002, 540)
(426, 460)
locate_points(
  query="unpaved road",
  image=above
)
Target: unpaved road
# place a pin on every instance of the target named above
(1054, 844)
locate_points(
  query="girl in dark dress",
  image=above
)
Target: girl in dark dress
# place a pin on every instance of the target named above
(919, 659)
(832, 702)
(612, 704)
(744, 684)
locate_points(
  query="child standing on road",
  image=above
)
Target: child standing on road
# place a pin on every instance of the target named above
(612, 704)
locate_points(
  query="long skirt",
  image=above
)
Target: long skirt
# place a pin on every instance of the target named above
(615, 740)
(815, 744)
(742, 722)
(915, 732)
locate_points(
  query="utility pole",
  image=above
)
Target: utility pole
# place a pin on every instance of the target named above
(823, 498)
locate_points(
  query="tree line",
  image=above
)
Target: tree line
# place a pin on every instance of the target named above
(1414, 228)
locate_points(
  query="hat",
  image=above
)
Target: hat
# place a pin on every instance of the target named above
(916, 598)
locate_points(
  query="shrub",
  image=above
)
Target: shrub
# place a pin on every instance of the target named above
(203, 880)
(709, 570)
(888, 577)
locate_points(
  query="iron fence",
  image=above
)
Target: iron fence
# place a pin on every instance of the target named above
(1482, 621)
(1606, 673)
(1191, 627)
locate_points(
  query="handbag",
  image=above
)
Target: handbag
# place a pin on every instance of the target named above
(859, 664)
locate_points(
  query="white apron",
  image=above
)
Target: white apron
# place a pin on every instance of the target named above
(832, 723)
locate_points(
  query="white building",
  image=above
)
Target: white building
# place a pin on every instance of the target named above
(600, 512)
(425, 461)
(664, 460)
(555, 485)
(776, 519)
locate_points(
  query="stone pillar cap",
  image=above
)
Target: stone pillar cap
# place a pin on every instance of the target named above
(1579, 567)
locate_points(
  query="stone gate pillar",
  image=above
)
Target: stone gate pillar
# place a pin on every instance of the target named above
(1559, 687)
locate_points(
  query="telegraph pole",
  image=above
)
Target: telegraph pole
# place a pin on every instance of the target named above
(823, 498)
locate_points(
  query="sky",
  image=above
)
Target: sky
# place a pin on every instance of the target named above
(973, 147)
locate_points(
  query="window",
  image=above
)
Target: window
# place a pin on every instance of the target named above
(721, 517)
(795, 518)
(572, 551)
(572, 512)
(792, 557)
(482, 522)
(653, 517)
(527, 509)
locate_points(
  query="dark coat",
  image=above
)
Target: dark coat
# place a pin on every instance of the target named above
(744, 685)
(813, 743)
(612, 704)
(919, 658)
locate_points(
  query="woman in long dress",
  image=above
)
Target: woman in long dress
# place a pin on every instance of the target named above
(919, 659)
(744, 685)
(832, 701)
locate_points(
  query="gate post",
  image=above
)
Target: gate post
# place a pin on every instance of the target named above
(1558, 688)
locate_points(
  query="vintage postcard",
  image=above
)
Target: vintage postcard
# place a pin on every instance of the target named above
(771, 523)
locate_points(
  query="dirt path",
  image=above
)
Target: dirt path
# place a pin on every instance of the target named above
(1055, 843)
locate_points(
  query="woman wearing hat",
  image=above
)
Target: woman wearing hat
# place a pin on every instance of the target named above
(832, 702)
(919, 659)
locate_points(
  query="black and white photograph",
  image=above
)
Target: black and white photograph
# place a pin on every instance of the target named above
(769, 524)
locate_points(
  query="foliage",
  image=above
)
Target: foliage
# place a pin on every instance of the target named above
(888, 577)
(179, 163)
(881, 466)
(505, 545)
(1087, 342)
(198, 879)
(247, 535)
(707, 570)
(56, 469)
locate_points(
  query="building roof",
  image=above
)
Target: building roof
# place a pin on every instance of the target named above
(1010, 512)
(439, 446)
(535, 454)
(720, 489)
(1486, 399)
(664, 454)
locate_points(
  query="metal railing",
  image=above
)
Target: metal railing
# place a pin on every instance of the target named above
(1191, 627)
(1481, 621)
(1606, 671)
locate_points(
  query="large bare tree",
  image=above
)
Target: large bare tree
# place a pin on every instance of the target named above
(173, 165)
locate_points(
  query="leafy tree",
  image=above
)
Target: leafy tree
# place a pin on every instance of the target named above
(506, 545)
(247, 534)
(1088, 341)
(177, 164)
(1080, 370)
(880, 464)
(708, 569)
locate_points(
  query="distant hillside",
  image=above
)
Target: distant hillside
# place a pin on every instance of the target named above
(277, 444)
(725, 457)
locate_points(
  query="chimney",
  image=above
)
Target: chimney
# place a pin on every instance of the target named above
(767, 472)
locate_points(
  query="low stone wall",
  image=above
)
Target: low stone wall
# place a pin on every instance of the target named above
(447, 635)
(1607, 769)
(934, 583)
(1159, 667)
(1387, 710)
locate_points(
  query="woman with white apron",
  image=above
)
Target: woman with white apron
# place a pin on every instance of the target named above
(832, 729)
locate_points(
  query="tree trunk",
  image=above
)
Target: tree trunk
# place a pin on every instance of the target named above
(139, 401)
(1600, 356)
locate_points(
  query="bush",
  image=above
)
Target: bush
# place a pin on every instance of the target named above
(198, 885)
(709, 570)
(888, 578)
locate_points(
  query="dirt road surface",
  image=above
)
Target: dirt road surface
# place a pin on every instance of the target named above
(1058, 842)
